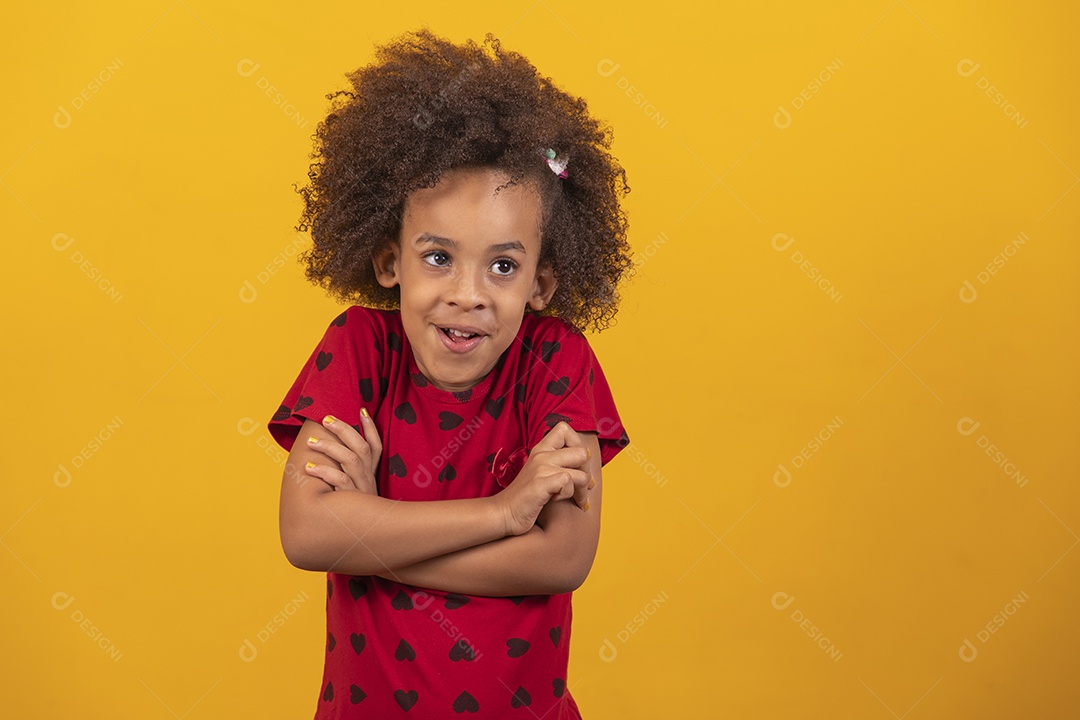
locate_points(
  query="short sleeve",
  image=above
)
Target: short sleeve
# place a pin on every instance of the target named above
(566, 384)
(331, 382)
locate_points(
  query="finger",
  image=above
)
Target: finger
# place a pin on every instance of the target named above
(570, 435)
(566, 482)
(333, 449)
(371, 433)
(582, 487)
(331, 476)
(568, 457)
(343, 430)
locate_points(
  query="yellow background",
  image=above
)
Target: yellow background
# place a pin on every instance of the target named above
(851, 587)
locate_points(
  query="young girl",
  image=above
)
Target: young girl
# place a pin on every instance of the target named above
(453, 420)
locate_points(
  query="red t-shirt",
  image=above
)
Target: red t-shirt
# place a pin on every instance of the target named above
(395, 650)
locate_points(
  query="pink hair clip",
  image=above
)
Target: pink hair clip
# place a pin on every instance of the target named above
(557, 165)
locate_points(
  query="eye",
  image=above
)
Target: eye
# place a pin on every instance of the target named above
(504, 266)
(437, 258)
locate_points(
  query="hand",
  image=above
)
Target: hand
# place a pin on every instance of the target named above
(554, 471)
(356, 454)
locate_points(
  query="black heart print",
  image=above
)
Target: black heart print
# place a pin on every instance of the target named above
(494, 407)
(393, 341)
(330, 642)
(339, 320)
(359, 642)
(366, 389)
(302, 403)
(462, 651)
(558, 687)
(464, 395)
(357, 587)
(283, 413)
(454, 601)
(405, 651)
(466, 703)
(406, 699)
(323, 360)
(419, 379)
(405, 412)
(397, 466)
(559, 387)
(521, 697)
(402, 601)
(328, 695)
(516, 647)
(447, 473)
(547, 349)
(449, 420)
(555, 633)
(356, 694)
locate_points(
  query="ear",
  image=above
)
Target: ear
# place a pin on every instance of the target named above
(387, 263)
(543, 287)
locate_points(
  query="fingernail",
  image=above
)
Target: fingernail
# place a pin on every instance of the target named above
(592, 483)
(585, 506)
(363, 411)
(587, 450)
(328, 420)
(312, 440)
(311, 465)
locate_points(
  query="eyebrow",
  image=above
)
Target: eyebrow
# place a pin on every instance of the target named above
(447, 242)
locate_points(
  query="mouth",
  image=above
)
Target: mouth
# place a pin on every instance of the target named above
(460, 338)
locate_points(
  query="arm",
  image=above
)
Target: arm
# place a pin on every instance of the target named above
(327, 526)
(553, 557)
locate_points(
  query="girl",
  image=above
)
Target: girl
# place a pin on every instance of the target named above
(453, 420)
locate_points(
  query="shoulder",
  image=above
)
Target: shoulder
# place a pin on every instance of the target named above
(358, 320)
(553, 340)
(550, 328)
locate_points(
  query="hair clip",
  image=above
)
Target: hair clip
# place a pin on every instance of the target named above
(557, 165)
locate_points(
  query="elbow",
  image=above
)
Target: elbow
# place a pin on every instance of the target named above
(299, 553)
(572, 570)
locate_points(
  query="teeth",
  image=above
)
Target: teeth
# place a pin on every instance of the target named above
(458, 334)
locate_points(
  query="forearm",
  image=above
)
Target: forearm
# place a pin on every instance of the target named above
(547, 560)
(358, 533)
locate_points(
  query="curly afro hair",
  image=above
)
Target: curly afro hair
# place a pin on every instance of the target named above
(428, 106)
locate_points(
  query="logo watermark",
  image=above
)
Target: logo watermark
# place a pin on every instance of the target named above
(967, 67)
(248, 292)
(968, 650)
(61, 242)
(62, 476)
(967, 427)
(782, 600)
(62, 600)
(782, 477)
(609, 651)
(968, 293)
(782, 117)
(247, 427)
(62, 118)
(781, 242)
(607, 67)
(248, 649)
(247, 67)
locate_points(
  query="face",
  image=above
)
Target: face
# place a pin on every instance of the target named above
(467, 265)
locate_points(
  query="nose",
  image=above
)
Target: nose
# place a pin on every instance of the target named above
(468, 291)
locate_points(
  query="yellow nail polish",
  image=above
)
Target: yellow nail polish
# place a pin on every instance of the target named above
(588, 452)
(364, 412)
(328, 420)
(312, 440)
(592, 483)
(585, 506)
(310, 465)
